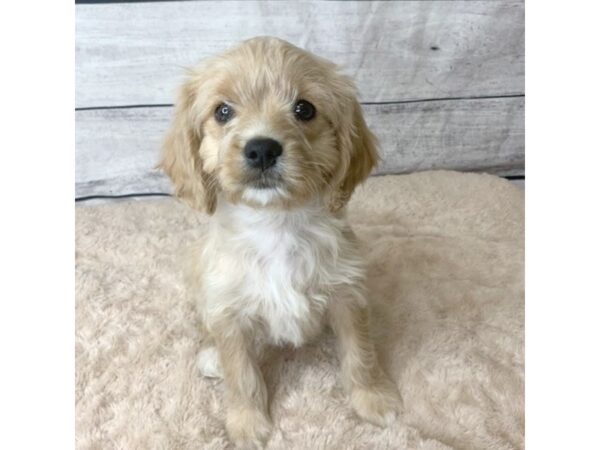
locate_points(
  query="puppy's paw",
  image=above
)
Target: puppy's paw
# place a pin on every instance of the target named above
(379, 404)
(248, 428)
(208, 363)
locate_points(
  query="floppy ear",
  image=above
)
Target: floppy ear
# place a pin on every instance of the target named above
(181, 159)
(358, 156)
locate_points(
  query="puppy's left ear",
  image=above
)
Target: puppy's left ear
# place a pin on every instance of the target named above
(358, 155)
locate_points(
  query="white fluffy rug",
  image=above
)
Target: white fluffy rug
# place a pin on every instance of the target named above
(446, 277)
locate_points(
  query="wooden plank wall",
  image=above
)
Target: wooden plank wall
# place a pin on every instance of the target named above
(442, 83)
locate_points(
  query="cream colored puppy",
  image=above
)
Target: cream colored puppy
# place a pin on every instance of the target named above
(270, 140)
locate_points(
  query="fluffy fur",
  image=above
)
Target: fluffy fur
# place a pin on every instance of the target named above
(280, 260)
(445, 277)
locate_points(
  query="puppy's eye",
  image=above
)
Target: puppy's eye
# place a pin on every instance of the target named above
(223, 113)
(304, 110)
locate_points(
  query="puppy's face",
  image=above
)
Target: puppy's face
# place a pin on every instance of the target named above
(269, 125)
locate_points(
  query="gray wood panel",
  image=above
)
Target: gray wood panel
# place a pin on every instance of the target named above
(117, 148)
(519, 183)
(133, 53)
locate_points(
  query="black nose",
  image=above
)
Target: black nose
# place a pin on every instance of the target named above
(262, 153)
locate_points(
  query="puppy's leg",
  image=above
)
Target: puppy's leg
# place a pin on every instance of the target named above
(248, 422)
(372, 395)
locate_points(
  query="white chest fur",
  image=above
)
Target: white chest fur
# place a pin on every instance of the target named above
(277, 268)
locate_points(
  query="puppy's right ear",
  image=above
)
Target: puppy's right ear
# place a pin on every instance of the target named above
(181, 159)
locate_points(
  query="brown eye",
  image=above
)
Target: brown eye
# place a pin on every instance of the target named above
(223, 113)
(304, 110)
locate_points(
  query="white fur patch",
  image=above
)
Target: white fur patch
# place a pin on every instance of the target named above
(262, 196)
(208, 363)
(278, 267)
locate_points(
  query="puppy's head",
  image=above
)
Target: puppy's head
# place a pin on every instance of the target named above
(269, 125)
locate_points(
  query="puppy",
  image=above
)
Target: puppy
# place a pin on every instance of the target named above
(270, 140)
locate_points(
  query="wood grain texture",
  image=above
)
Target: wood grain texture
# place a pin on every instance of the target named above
(118, 148)
(133, 53)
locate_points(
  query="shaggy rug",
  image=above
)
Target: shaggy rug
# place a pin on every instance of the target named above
(445, 254)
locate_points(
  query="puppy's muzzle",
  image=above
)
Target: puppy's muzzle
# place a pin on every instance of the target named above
(262, 153)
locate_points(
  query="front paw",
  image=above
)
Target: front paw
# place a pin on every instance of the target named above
(378, 404)
(248, 428)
